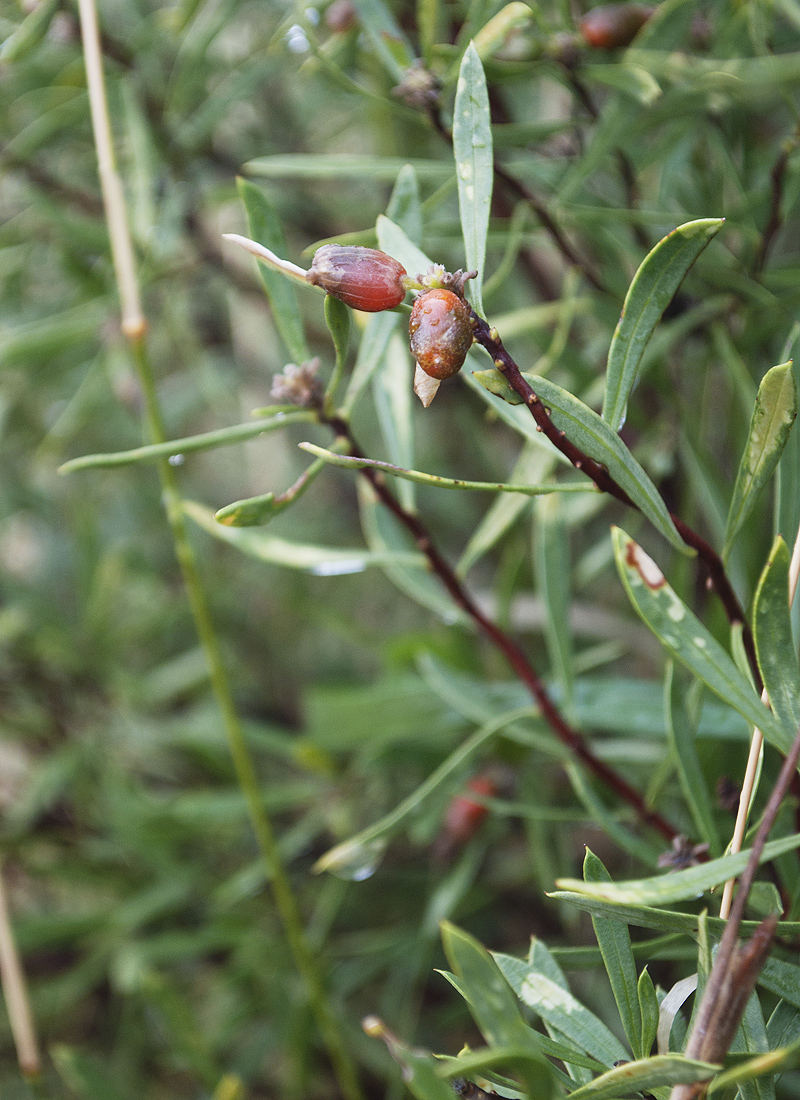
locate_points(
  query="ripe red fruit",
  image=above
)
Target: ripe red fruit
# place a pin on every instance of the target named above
(440, 332)
(363, 278)
(613, 26)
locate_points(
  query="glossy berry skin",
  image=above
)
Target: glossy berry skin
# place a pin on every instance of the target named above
(362, 278)
(440, 332)
(613, 26)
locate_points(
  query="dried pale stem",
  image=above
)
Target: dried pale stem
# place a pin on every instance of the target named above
(490, 340)
(513, 653)
(15, 991)
(756, 745)
(736, 968)
(134, 328)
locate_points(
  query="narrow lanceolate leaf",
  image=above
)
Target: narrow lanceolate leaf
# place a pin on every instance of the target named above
(650, 1073)
(394, 240)
(264, 226)
(404, 208)
(388, 39)
(681, 736)
(774, 413)
(662, 920)
(684, 636)
(535, 1071)
(206, 441)
(614, 942)
(371, 351)
(347, 462)
(648, 296)
(472, 147)
(772, 627)
(551, 565)
(324, 561)
(565, 1013)
(491, 1000)
(256, 511)
(677, 885)
(649, 1009)
(591, 433)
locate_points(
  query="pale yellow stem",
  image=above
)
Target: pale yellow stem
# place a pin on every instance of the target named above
(756, 744)
(16, 995)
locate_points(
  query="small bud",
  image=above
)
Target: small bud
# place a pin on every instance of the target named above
(362, 278)
(613, 26)
(440, 332)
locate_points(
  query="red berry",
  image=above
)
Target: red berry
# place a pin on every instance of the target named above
(464, 815)
(441, 332)
(613, 26)
(363, 278)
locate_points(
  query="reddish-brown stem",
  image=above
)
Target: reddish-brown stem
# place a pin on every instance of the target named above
(718, 580)
(513, 653)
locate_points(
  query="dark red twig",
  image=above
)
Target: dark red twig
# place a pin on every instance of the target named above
(718, 580)
(507, 646)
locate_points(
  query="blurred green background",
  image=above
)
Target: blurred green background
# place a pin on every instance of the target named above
(156, 963)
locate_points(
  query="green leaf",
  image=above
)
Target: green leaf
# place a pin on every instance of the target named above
(420, 1071)
(781, 977)
(385, 537)
(347, 462)
(404, 207)
(772, 626)
(392, 395)
(264, 226)
(591, 433)
(565, 1013)
(84, 1075)
(533, 464)
(495, 33)
(775, 1062)
(387, 38)
(552, 572)
(662, 920)
(677, 885)
(370, 355)
(649, 1010)
(535, 1071)
(382, 831)
(323, 561)
(256, 511)
(491, 999)
(684, 636)
(682, 739)
(30, 32)
(773, 415)
(221, 437)
(640, 847)
(651, 291)
(393, 240)
(472, 148)
(646, 1075)
(328, 166)
(614, 942)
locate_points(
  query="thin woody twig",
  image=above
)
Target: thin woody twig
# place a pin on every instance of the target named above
(489, 339)
(513, 653)
(736, 968)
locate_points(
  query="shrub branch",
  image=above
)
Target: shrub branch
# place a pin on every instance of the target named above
(510, 649)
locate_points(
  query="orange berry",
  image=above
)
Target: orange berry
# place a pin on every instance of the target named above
(613, 26)
(440, 332)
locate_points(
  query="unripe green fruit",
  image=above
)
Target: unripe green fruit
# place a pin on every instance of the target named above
(362, 278)
(440, 332)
